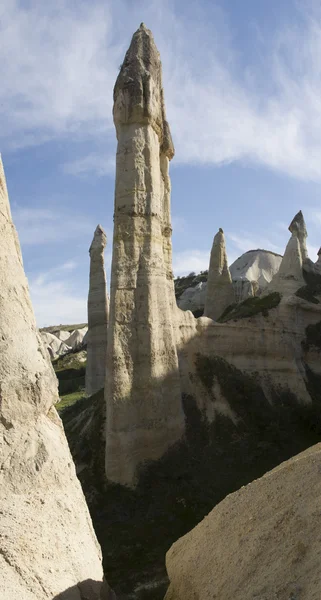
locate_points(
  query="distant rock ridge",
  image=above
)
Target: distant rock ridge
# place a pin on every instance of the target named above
(143, 398)
(98, 310)
(219, 290)
(45, 523)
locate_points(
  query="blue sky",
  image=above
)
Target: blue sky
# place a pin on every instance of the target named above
(242, 84)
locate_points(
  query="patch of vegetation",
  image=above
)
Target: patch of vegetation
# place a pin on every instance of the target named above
(69, 400)
(309, 293)
(70, 371)
(176, 492)
(251, 307)
(312, 336)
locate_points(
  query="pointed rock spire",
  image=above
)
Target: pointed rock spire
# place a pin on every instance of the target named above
(97, 315)
(44, 517)
(298, 227)
(219, 291)
(289, 277)
(143, 396)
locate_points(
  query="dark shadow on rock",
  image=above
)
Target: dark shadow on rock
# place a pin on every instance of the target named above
(135, 528)
(88, 590)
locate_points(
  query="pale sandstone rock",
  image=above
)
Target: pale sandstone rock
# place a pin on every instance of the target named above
(75, 340)
(54, 345)
(144, 410)
(98, 309)
(253, 271)
(219, 290)
(289, 277)
(62, 335)
(250, 273)
(261, 542)
(298, 228)
(47, 543)
(193, 298)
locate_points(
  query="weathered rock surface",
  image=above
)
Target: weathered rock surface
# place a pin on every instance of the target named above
(250, 274)
(219, 290)
(98, 310)
(54, 345)
(261, 542)
(75, 340)
(47, 543)
(144, 411)
(289, 277)
(298, 228)
(62, 335)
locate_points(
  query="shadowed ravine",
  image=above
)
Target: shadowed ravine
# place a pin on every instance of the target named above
(176, 492)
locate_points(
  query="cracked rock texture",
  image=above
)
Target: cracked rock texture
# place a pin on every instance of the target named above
(219, 290)
(261, 542)
(97, 315)
(143, 399)
(47, 543)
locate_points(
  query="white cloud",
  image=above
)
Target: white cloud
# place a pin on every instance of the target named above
(95, 163)
(38, 226)
(59, 64)
(54, 298)
(190, 260)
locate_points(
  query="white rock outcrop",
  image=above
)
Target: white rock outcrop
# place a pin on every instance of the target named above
(75, 339)
(62, 335)
(219, 290)
(47, 543)
(250, 273)
(54, 345)
(143, 398)
(253, 271)
(261, 542)
(98, 310)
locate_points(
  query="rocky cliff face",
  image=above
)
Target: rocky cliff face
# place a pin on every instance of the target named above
(144, 412)
(47, 543)
(98, 310)
(260, 542)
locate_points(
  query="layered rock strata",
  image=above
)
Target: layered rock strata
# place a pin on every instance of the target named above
(143, 399)
(47, 543)
(97, 315)
(219, 290)
(260, 542)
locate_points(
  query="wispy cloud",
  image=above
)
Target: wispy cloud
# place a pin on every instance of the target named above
(55, 300)
(92, 164)
(38, 226)
(268, 112)
(190, 260)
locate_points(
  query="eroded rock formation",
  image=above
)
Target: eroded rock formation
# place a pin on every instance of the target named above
(144, 411)
(219, 291)
(260, 542)
(97, 315)
(47, 543)
(289, 277)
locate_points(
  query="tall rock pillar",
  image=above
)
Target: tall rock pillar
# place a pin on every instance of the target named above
(97, 315)
(289, 277)
(143, 398)
(45, 523)
(219, 290)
